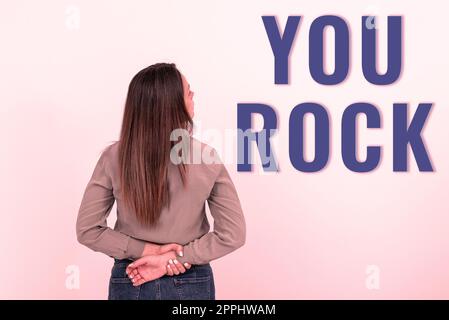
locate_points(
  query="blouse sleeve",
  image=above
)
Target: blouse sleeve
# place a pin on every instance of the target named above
(91, 225)
(229, 231)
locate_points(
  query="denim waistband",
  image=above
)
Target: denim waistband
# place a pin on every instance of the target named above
(194, 266)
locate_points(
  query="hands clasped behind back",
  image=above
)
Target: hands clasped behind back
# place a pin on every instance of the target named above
(156, 261)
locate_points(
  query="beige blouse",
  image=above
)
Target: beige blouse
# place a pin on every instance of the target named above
(185, 221)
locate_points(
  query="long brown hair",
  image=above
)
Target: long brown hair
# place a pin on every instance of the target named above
(154, 108)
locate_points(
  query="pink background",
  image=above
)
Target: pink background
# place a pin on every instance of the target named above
(64, 78)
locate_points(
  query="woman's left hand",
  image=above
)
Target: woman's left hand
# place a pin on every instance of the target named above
(156, 249)
(152, 267)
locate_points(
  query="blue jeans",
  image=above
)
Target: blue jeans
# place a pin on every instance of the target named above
(197, 283)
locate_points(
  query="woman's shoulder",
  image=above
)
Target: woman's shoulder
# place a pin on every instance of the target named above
(110, 150)
(108, 157)
(205, 156)
(209, 155)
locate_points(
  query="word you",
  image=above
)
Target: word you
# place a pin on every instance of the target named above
(405, 133)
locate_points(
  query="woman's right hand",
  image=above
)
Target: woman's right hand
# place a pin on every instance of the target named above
(172, 247)
(174, 267)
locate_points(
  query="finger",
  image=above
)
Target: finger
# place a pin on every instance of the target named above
(128, 270)
(173, 266)
(178, 249)
(137, 278)
(179, 266)
(138, 283)
(174, 247)
(187, 265)
(132, 273)
(169, 270)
